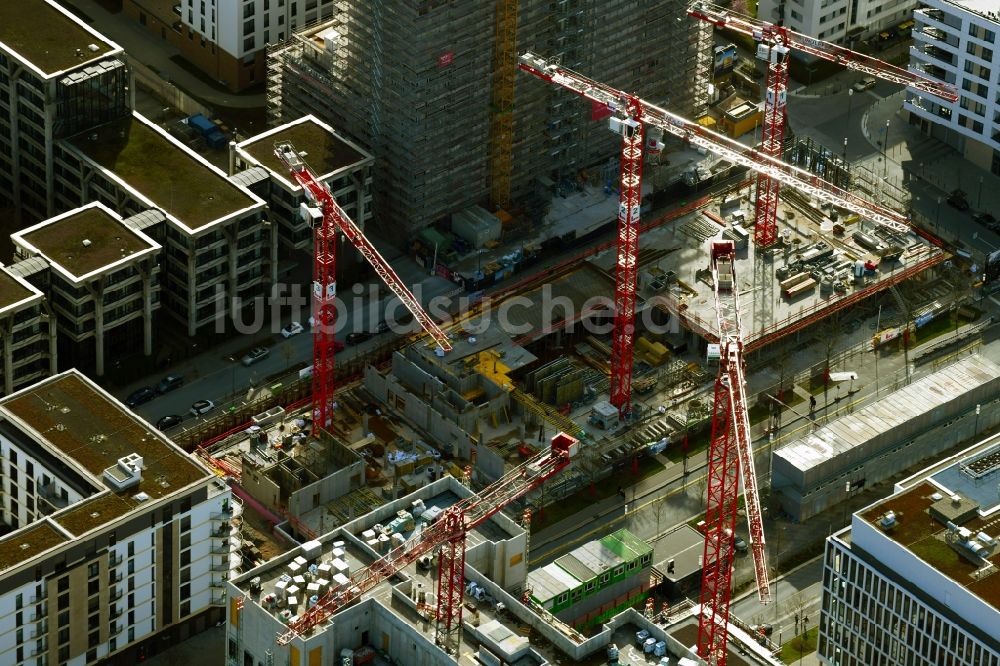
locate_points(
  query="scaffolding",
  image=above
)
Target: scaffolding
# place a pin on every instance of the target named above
(409, 89)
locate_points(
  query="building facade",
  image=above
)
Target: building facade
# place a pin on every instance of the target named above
(343, 165)
(57, 77)
(912, 580)
(838, 21)
(103, 282)
(227, 39)
(418, 97)
(955, 41)
(118, 541)
(218, 251)
(27, 331)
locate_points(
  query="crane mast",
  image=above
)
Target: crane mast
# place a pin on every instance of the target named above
(333, 221)
(768, 33)
(630, 117)
(448, 531)
(730, 456)
(774, 43)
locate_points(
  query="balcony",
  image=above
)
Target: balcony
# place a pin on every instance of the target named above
(115, 595)
(115, 560)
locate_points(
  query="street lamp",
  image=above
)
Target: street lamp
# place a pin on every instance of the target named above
(885, 144)
(975, 432)
(937, 214)
(850, 97)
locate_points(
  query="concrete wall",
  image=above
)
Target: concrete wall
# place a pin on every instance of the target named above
(327, 489)
(803, 503)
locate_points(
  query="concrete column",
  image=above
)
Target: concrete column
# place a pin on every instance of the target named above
(97, 293)
(7, 333)
(191, 285)
(49, 318)
(50, 172)
(146, 271)
(15, 154)
(231, 232)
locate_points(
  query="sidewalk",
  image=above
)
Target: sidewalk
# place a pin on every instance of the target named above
(142, 45)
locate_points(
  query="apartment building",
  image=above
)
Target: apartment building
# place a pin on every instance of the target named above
(102, 282)
(118, 543)
(414, 88)
(344, 166)
(227, 39)
(218, 251)
(838, 21)
(27, 332)
(57, 77)
(955, 41)
(913, 579)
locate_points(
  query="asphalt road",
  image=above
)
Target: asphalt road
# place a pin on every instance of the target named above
(828, 120)
(799, 592)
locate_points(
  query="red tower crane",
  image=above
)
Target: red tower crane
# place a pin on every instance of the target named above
(731, 447)
(773, 45)
(630, 115)
(448, 532)
(325, 231)
(730, 456)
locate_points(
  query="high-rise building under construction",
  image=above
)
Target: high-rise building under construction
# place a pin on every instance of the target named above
(430, 87)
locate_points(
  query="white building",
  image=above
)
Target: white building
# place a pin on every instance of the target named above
(955, 41)
(227, 38)
(117, 541)
(838, 21)
(913, 579)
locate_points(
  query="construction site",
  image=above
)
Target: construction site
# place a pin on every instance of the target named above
(407, 496)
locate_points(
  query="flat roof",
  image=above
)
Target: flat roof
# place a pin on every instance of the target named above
(13, 290)
(28, 542)
(163, 171)
(322, 148)
(77, 421)
(920, 397)
(924, 536)
(550, 581)
(85, 240)
(977, 6)
(48, 36)
(92, 513)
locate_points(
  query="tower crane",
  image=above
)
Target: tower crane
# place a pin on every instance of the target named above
(730, 456)
(630, 116)
(773, 45)
(731, 447)
(334, 220)
(447, 532)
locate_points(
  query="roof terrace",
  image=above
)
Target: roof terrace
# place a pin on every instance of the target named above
(14, 291)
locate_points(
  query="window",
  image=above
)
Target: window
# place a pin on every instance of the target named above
(619, 571)
(93, 569)
(248, 43)
(63, 584)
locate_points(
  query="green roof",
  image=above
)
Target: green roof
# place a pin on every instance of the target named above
(46, 37)
(62, 241)
(12, 291)
(626, 545)
(164, 173)
(28, 542)
(324, 151)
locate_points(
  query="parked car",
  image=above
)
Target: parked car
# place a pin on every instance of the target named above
(957, 200)
(256, 354)
(169, 383)
(985, 219)
(740, 544)
(864, 84)
(169, 421)
(382, 327)
(358, 337)
(293, 328)
(202, 407)
(140, 396)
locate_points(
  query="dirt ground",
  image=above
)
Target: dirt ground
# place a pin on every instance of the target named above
(258, 530)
